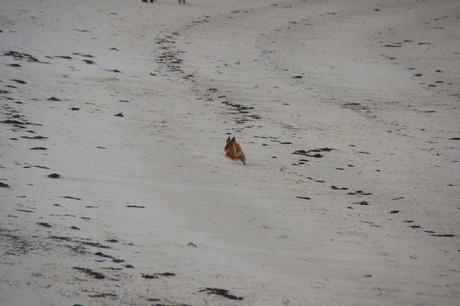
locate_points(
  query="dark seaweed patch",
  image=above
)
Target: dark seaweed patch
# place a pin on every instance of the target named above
(157, 275)
(14, 122)
(60, 238)
(338, 188)
(37, 166)
(371, 223)
(44, 224)
(135, 206)
(34, 137)
(91, 273)
(359, 192)
(443, 235)
(361, 203)
(83, 55)
(238, 107)
(104, 295)
(222, 292)
(71, 198)
(64, 57)
(94, 244)
(16, 245)
(89, 62)
(312, 153)
(19, 81)
(25, 210)
(3, 185)
(100, 254)
(21, 56)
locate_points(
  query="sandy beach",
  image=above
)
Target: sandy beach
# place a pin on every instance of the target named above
(115, 190)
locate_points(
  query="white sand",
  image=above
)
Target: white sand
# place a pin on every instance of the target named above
(151, 192)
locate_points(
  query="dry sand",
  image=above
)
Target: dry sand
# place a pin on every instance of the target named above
(348, 114)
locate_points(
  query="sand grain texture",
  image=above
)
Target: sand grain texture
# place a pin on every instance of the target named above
(113, 184)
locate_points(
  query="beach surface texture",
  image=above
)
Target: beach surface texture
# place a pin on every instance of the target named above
(114, 186)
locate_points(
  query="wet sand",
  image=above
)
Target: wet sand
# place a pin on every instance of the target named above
(114, 185)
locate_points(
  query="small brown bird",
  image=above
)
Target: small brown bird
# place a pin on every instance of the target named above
(233, 150)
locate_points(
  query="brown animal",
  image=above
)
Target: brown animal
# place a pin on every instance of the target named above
(233, 150)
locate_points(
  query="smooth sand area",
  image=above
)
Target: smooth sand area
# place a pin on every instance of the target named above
(115, 190)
